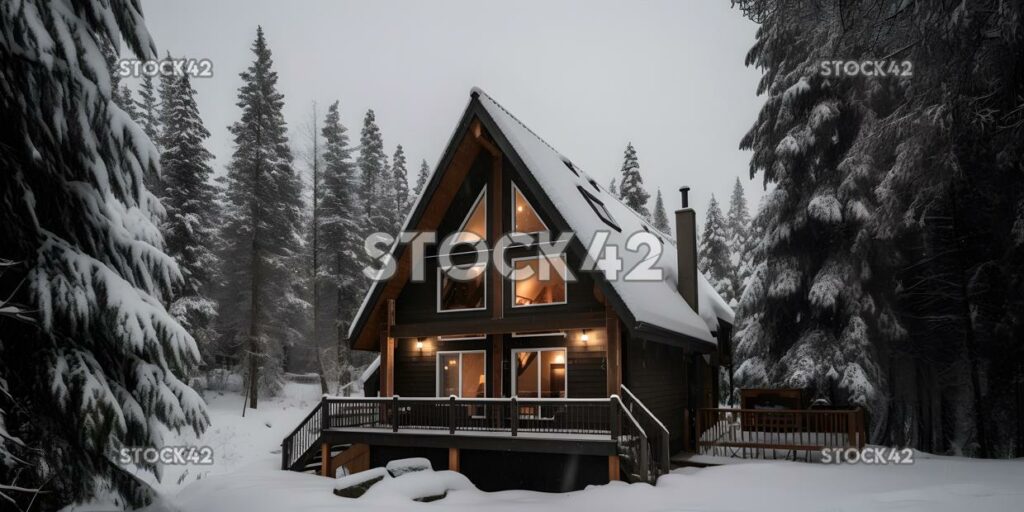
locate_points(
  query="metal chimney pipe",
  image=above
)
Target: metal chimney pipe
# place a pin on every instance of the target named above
(685, 192)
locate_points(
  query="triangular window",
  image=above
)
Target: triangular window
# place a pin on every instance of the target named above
(524, 216)
(474, 226)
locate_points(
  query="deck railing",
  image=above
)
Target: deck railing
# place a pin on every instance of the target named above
(657, 434)
(764, 433)
(598, 417)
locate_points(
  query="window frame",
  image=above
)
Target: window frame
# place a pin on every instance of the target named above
(482, 196)
(599, 209)
(447, 353)
(565, 283)
(437, 288)
(515, 189)
(515, 371)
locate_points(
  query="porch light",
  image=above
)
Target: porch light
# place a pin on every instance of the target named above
(584, 337)
(419, 344)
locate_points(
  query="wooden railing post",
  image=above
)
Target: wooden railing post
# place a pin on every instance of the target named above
(284, 455)
(644, 458)
(613, 417)
(325, 417)
(394, 413)
(451, 414)
(514, 413)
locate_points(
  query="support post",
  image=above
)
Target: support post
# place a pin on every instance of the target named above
(284, 455)
(613, 340)
(613, 417)
(394, 413)
(453, 459)
(514, 413)
(644, 458)
(451, 414)
(325, 417)
(325, 460)
(613, 468)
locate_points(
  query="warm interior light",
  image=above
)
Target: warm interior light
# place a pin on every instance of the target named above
(451, 362)
(419, 344)
(584, 338)
(519, 209)
(559, 359)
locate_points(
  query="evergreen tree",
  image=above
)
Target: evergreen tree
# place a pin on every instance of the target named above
(613, 190)
(661, 216)
(632, 187)
(738, 228)
(341, 223)
(421, 178)
(713, 252)
(190, 201)
(89, 358)
(400, 180)
(148, 107)
(261, 229)
(372, 165)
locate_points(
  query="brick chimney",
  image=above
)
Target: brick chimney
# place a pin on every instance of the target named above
(686, 250)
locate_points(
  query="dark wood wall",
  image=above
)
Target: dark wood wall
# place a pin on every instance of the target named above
(658, 375)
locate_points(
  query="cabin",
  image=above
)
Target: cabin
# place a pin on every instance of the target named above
(526, 364)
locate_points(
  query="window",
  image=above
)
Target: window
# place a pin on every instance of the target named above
(598, 206)
(474, 226)
(462, 374)
(546, 282)
(540, 373)
(571, 167)
(460, 294)
(524, 216)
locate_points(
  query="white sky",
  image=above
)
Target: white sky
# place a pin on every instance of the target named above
(588, 76)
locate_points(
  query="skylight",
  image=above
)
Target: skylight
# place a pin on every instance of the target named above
(570, 166)
(599, 209)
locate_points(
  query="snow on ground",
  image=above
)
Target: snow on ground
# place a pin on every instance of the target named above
(246, 477)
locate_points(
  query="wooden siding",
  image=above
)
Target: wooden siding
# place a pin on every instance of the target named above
(657, 374)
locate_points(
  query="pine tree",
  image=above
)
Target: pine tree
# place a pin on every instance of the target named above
(148, 107)
(372, 164)
(632, 187)
(713, 252)
(400, 177)
(190, 201)
(341, 225)
(89, 358)
(738, 228)
(421, 179)
(613, 190)
(661, 216)
(261, 229)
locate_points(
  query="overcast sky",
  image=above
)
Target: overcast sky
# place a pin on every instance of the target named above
(588, 76)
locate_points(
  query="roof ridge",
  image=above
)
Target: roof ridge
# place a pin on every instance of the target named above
(481, 92)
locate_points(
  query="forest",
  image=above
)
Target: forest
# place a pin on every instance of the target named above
(884, 268)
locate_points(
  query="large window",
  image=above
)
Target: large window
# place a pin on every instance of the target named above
(464, 290)
(540, 373)
(462, 374)
(539, 281)
(474, 226)
(524, 217)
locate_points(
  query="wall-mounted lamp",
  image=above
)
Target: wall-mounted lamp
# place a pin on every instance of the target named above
(584, 337)
(419, 344)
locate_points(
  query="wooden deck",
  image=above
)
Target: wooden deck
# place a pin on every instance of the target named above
(778, 433)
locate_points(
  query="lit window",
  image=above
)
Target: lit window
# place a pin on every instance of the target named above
(467, 293)
(599, 209)
(474, 226)
(540, 373)
(462, 374)
(524, 216)
(542, 282)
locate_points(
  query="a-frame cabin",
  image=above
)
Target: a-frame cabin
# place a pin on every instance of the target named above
(548, 382)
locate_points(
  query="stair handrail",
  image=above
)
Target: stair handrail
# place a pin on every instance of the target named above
(286, 451)
(643, 449)
(663, 434)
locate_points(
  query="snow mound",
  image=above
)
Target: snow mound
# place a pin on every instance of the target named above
(419, 485)
(400, 467)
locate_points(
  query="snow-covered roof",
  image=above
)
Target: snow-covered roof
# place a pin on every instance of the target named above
(656, 303)
(652, 302)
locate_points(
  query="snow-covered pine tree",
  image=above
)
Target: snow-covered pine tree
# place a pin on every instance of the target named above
(190, 200)
(148, 106)
(631, 189)
(738, 229)
(89, 358)
(713, 251)
(342, 227)
(400, 181)
(261, 235)
(372, 165)
(612, 189)
(421, 179)
(661, 216)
